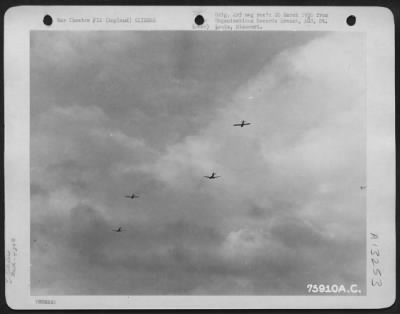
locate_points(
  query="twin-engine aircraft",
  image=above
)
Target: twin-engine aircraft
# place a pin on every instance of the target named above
(213, 176)
(132, 196)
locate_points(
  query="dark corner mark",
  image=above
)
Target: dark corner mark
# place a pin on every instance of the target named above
(199, 19)
(351, 20)
(47, 20)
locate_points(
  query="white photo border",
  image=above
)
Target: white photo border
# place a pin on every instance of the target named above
(376, 22)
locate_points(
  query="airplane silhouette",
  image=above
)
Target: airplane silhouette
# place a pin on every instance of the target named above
(118, 230)
(363, 187)
(132, 196)
(213, 176)
(242, 124)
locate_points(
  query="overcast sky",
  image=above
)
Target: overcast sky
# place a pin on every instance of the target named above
(151, 112)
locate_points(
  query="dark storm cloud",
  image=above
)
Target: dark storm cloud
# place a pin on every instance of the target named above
(152, 113)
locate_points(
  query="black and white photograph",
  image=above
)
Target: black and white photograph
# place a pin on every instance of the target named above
(207, 163)
(164, 161)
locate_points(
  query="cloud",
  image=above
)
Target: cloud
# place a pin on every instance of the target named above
(287, 209)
